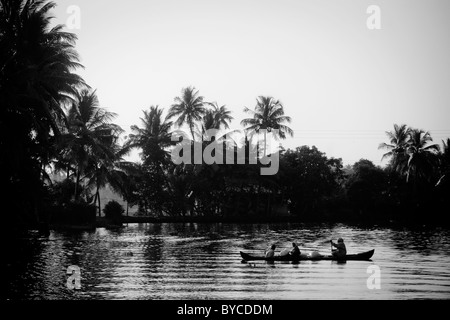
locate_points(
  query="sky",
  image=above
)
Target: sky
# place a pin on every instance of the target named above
(342, 83)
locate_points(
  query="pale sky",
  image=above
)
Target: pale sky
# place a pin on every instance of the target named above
(343, 84)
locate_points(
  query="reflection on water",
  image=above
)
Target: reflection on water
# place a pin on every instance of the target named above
(201, 261)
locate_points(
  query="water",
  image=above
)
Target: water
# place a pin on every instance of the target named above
(202, 261)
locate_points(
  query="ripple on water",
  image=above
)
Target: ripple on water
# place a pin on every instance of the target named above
(202, 261)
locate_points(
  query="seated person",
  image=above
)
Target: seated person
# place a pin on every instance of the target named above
(295, 251)
(271, 252)
(341, 250)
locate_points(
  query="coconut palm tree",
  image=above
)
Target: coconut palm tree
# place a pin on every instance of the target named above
(154, 138)
(114, 171)
(422, 155)
(397, 146)
(209, 121)
(216, 119)
(220, 116)
(37, 65)
(91, 136)
(268, 115)
(188, 109)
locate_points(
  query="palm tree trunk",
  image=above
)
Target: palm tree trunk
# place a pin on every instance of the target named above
(191, 127)
(99, 205)
(265, 142)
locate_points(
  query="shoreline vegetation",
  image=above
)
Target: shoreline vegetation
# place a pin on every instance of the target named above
(104, 223)
(270, 220)
(51, 122)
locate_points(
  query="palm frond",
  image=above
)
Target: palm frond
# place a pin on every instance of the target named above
(268, 114)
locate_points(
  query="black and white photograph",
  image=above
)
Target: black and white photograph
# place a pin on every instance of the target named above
(225, 155)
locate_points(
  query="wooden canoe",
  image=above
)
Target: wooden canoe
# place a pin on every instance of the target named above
(359, 256)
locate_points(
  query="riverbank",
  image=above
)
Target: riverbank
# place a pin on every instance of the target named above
(102, 222)
(284, 219)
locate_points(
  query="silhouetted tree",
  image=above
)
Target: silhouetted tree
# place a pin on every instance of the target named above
(189, 108)
(37, 65)
(397, 147)
(91, 139)
(366, 187)
(308, 178)
(423, 160)
(268, 115)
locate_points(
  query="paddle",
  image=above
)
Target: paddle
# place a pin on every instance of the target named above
(320, 243)
(328, 241)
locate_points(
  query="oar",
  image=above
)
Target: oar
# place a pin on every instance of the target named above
(301, 247)
(320, 243)
(328, 241)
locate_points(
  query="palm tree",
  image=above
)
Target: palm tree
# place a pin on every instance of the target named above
(37, 76)
(215, 119)
(209, 121)
(268, 115)
(91, 135)
(36, 64)
(114, 171)
(153, 138)
(189, 108)
(398, 140)
(220, 116)
(422, 156)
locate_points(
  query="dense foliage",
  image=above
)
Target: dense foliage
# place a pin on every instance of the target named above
(51, 122)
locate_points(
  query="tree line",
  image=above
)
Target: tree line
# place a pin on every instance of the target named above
(51, 122)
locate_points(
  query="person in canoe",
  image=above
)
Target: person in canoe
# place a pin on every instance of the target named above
(271, 252)
(341, 250)
(295, 251)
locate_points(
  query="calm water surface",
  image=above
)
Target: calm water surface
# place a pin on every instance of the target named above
(202, 261)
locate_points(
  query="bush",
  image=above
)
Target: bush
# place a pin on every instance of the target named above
(113, 211)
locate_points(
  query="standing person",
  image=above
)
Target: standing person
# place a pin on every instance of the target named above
(341, 251)
(295, 251)
(271, 252)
